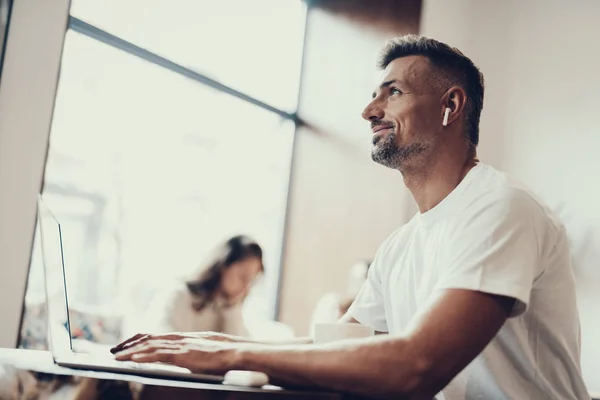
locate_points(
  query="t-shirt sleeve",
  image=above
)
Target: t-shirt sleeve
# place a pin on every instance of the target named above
(369, 308)
(495, 248)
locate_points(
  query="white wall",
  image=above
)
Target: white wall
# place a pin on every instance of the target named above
(541, 60)
(27, 89)
(342, 204)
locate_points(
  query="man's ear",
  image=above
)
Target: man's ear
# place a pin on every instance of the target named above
(453, 104)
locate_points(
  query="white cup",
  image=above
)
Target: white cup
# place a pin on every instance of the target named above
(330, 332)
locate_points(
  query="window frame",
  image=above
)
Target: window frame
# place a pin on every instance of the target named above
(28, 86)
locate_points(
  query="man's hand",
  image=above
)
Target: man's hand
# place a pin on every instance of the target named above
(197, 355)
(210, 336)
(143, 338)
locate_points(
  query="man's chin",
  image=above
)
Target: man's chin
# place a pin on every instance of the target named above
(384, 159)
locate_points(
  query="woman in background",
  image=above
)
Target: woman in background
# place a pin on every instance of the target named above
(211, 301)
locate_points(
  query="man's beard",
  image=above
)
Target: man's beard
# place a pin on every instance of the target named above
(387, 152)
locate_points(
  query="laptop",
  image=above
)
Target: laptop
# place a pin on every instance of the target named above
(59, 328)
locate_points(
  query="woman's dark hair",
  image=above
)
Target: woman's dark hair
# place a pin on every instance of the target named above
(205, 288)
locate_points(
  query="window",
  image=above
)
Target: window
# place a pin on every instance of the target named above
(148, 169)
(5, 6)
(253, 46)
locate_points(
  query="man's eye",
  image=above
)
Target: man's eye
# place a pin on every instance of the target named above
(395, 91)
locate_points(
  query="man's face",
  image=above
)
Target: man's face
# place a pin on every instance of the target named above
(405, 114)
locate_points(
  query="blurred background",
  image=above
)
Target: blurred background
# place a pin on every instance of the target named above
(179, 124)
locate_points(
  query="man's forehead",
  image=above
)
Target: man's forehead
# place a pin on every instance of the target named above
(409, 69)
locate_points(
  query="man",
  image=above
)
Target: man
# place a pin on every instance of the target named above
(476, 292)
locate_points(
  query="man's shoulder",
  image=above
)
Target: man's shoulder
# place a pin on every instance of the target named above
(495, 187)
(402, 230)
(498, 194)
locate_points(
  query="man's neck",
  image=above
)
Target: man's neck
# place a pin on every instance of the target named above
(430, 184)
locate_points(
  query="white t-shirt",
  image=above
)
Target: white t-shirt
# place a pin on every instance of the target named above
(489, 235)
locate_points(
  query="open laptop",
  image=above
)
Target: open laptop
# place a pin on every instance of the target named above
(59, 329)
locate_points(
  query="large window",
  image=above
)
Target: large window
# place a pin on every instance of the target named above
(172, 130)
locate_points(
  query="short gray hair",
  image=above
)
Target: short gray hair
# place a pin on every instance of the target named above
(453, 66)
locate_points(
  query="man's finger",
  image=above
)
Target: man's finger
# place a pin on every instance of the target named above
(141, 340)
(160, 355)
(147, 347)
(119, 347)
(122, 345)
(145, 338)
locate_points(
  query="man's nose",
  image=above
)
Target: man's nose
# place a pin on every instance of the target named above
(373, 111)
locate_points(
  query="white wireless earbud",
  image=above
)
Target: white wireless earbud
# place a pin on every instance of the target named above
(446, 115)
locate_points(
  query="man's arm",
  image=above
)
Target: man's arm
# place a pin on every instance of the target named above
(292, 341)
(142, 338)
(456, 327)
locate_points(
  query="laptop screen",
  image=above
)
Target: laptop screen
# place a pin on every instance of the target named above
(59, 337)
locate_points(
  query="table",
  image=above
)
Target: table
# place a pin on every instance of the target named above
(34, 372)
